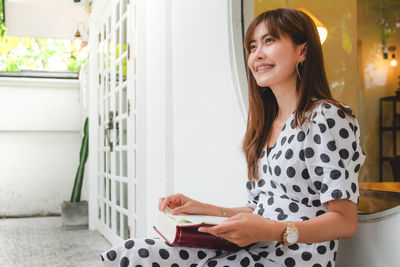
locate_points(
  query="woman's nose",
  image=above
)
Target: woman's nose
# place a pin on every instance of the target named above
(259, 53)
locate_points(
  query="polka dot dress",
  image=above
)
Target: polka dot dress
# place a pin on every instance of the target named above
(155, 252)
(306, 168)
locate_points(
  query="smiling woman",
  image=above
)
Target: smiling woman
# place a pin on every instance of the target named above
(303, 156)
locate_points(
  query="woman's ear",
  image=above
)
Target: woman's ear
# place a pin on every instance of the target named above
(303, 52)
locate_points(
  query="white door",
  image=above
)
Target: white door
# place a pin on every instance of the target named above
(117, 185)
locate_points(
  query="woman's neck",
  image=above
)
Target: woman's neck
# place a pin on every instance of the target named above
(287, 102)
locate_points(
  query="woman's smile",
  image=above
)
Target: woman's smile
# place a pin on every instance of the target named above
(264, 68)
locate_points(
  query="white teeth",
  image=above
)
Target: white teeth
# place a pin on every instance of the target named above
(264, 67)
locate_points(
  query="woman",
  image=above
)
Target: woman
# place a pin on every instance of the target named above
(303, 156)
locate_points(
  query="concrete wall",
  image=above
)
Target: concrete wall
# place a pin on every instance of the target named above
(39, 146)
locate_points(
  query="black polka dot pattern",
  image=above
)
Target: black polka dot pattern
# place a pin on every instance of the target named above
(143, 253)
(124, 262)
(183, 254)
(164, 254)
(111, 255)
(129, 244)
(308, 166)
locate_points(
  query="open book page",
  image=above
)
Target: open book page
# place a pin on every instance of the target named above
(187, 219)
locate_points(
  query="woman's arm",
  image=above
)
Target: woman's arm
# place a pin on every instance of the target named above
(340, 222)
(244, 229)
(213, 210)
(180, 203)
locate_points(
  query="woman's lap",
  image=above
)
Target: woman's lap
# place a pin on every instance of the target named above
(156, 252)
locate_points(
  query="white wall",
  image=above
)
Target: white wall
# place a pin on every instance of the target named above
(376, 242)
(39, 144)
(208, 124)
(195, 123)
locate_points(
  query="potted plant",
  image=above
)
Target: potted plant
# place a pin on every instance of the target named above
(74, 213)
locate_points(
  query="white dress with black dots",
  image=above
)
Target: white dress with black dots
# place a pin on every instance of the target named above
(306, 168)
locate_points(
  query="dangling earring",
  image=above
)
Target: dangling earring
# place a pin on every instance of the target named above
(297, 68)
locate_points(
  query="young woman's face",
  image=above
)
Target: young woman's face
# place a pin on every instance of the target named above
(272, 61)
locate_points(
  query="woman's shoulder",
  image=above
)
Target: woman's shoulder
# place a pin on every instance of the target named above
(332, 118)
(327, 109)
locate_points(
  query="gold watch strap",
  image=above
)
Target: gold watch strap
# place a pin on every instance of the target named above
(291, 226)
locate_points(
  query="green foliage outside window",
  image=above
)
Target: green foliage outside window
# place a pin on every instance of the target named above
(18, 53)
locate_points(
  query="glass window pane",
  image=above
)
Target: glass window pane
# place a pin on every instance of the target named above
(124, 164)
(117, 163)
(125, 195)
(124, 132)
(118, 223)
(124, 100)
(125, 234)
(117, 193)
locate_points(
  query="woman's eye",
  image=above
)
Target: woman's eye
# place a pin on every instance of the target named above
(252, 48)
(268, 40)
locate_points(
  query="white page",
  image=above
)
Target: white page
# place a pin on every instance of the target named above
(184, 219)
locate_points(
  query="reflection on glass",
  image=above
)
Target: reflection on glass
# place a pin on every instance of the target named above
(117, 12)
(124, 100)
(104, 213)
(125, 234)
(99, 210)
(109, 162)
(124, 68)
(117, 193)
(117, 44)
(124, 6)
(117, 163)
(134, 197)
(109, 217)
(104, 186)
(124, 130)
(99, 181)
(125, 195)
(117, 111)
(105, 161)
(117, 75)
(124, 163)
(118, 223)
(109, 24)
(109, 189)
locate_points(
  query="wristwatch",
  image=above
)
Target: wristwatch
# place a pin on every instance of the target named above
(291, 235)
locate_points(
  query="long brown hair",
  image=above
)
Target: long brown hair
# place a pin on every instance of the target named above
(313, 86)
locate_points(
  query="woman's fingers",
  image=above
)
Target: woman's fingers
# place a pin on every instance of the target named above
(220, 229)
(181, 209)
(171, 201)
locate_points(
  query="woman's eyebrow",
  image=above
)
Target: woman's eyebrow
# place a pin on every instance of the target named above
(265, 35)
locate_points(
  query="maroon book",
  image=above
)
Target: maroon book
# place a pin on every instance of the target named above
(182, 230)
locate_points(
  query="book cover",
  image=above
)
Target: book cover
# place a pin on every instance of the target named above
(182, 230)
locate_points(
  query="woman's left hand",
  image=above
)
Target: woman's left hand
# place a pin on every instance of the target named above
(242, 229)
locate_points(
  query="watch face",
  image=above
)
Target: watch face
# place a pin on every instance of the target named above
(292, 237)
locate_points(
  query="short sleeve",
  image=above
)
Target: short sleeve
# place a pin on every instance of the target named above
(333, 153)
(252, 194)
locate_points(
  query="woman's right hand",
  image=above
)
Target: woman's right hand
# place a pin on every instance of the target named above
(180, 203)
